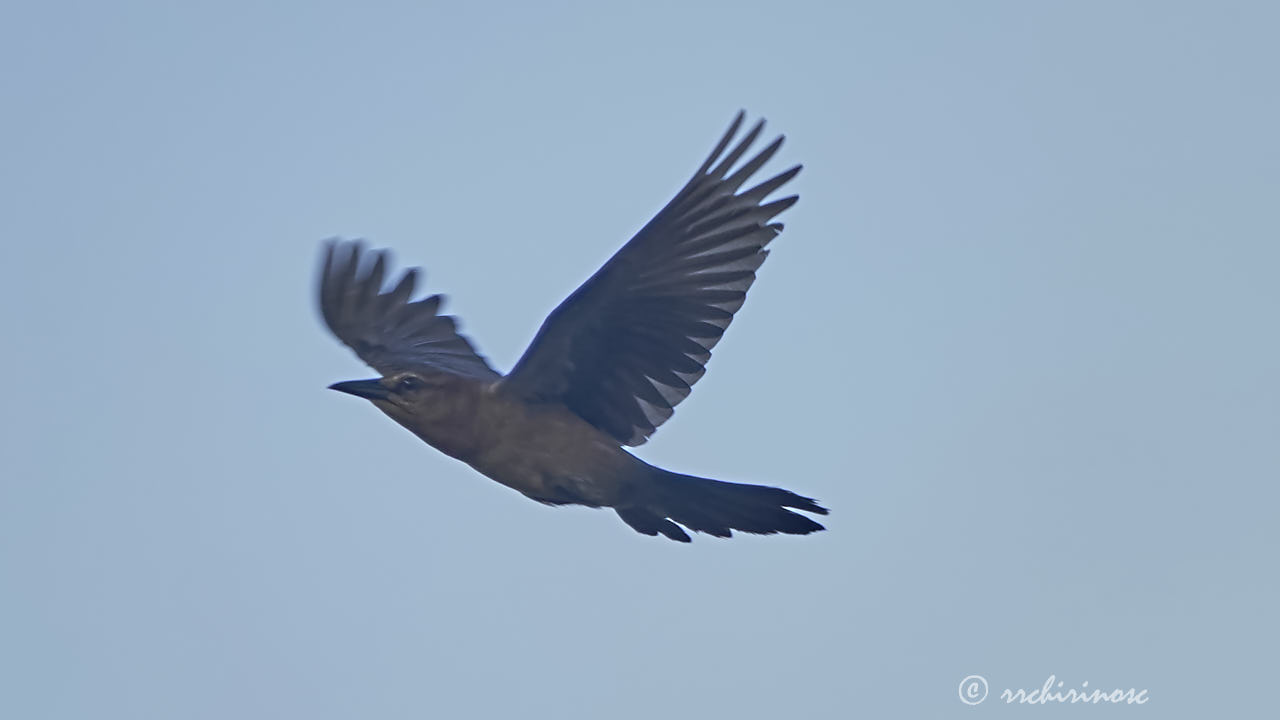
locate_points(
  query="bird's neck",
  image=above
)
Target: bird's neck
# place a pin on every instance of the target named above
(447, 420)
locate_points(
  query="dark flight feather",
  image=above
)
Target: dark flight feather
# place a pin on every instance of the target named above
(627, 346)
(384, 328)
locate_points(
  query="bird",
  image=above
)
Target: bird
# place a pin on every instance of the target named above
(606, 368)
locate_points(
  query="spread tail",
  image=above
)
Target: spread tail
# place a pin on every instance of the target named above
(717, 508)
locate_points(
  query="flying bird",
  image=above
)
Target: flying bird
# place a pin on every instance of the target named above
(607, 367)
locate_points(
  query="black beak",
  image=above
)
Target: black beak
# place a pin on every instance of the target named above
(368, 389)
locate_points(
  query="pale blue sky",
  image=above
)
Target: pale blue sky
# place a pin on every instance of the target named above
(1019, 335)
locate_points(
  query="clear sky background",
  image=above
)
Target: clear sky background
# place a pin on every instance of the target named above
(1020, 335)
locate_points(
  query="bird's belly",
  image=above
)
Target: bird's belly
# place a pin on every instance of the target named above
(551, 455)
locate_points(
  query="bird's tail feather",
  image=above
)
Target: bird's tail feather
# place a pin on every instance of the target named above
(717, 508)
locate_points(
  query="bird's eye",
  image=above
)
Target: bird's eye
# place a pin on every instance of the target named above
(408, 383)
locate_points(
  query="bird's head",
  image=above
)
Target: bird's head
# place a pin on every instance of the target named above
(408, 393)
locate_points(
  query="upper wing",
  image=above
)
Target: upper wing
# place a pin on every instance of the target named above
(384, 328)
(625, 348)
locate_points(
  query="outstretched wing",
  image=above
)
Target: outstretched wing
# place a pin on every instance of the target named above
(386, 330)
(625, 348)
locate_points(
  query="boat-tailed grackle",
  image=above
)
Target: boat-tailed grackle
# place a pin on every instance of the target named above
(607, 367)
